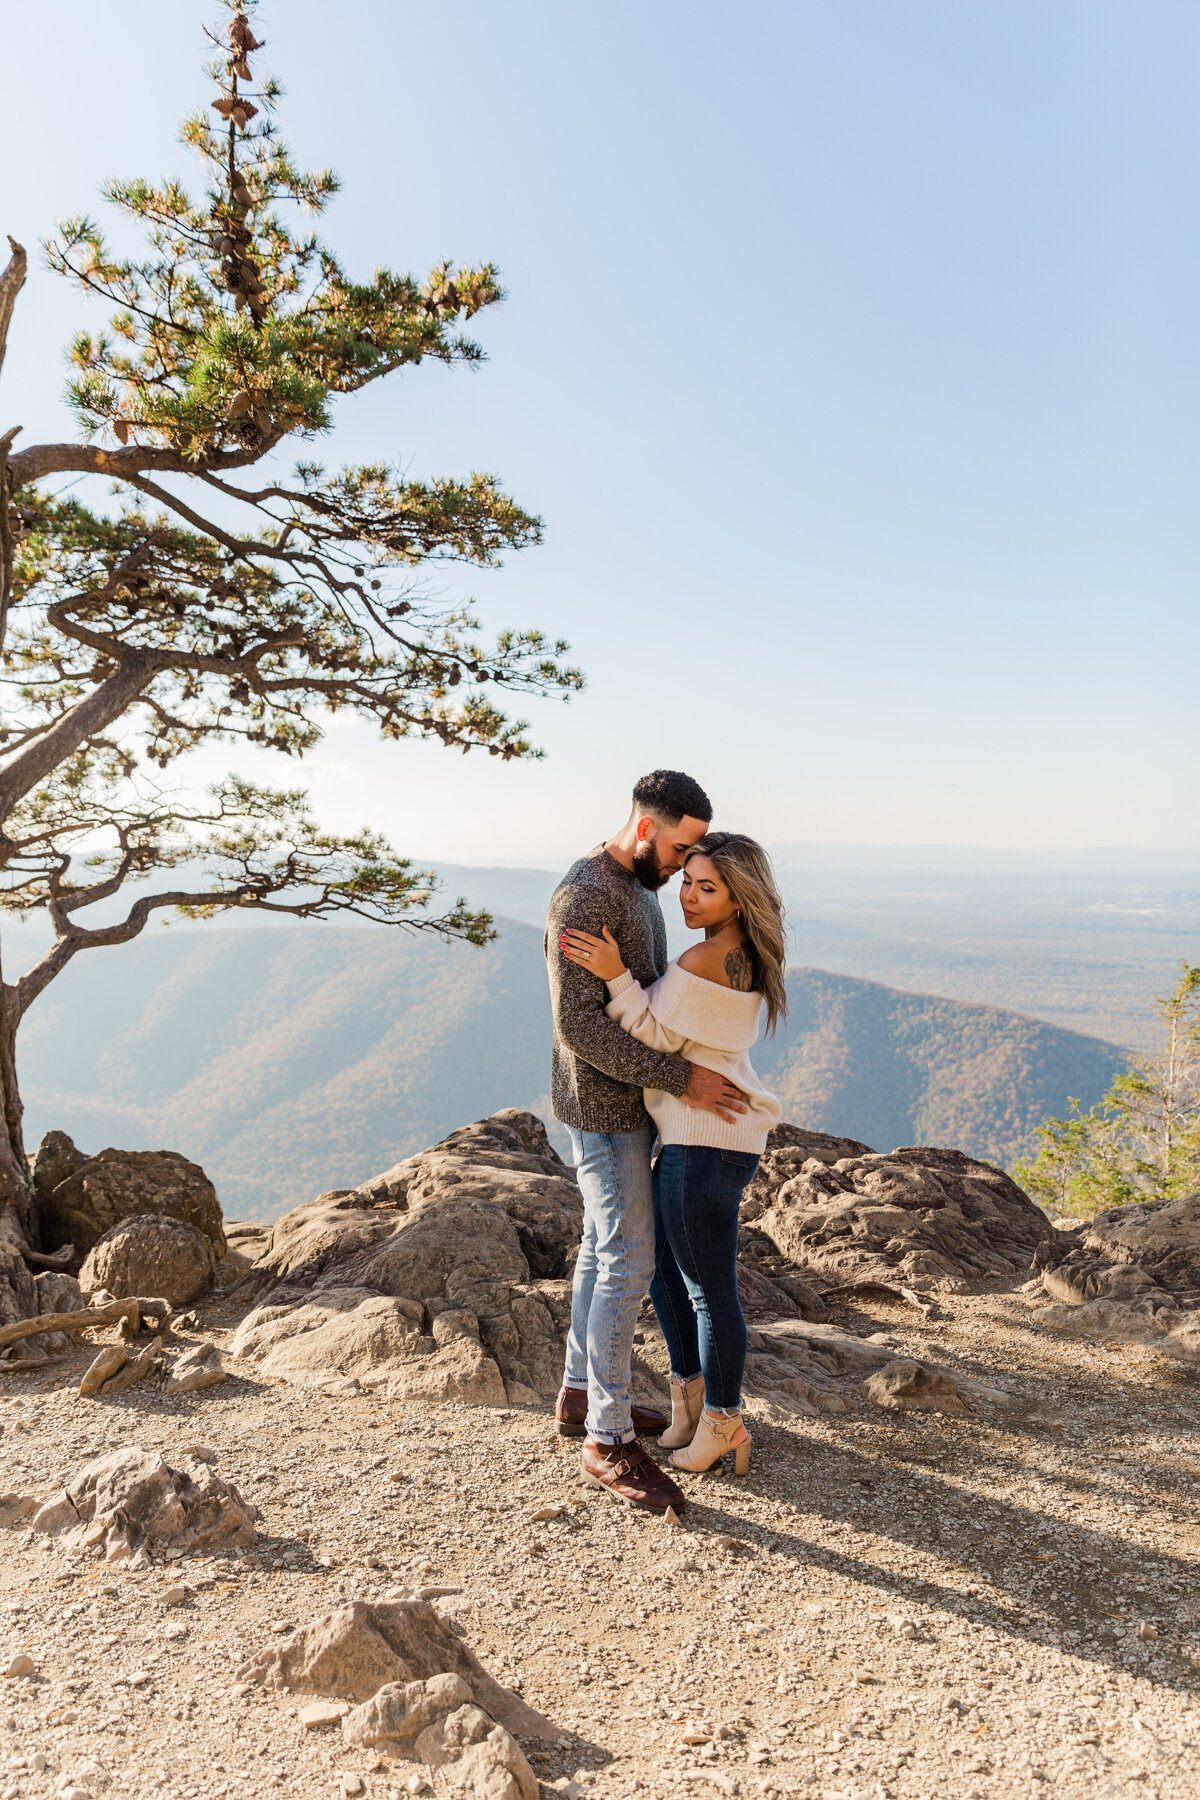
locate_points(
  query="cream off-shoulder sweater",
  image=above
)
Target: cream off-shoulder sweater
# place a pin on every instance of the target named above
(708, 1024)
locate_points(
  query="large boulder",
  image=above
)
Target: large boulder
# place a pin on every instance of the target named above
(926, 1217)
(98, 1192)
(150, 1253)
(1131, 1273)
(443, 1278)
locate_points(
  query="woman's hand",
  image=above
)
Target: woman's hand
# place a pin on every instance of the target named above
(599, 955)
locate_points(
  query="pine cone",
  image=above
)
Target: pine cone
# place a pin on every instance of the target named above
(240, 404)
(241, 68)
(224, 106)
(241, 36)
(121, 431)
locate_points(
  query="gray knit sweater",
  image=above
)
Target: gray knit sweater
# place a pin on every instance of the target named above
(599, 1070)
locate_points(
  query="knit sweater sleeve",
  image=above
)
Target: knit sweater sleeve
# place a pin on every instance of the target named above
(633, 1009)
(578, 1001)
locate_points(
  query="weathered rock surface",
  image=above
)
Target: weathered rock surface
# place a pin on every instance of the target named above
(150, 1253)
(95, 1193)
(925, 1217)
(136, 1508)
(440, 1279)
(354, 1651)
(430, 1282)
(438, 1722)
(1131, 1273)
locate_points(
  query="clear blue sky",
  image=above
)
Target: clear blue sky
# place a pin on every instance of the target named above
(850, 355)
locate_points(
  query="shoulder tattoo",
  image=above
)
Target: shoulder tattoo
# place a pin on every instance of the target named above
(739, 971)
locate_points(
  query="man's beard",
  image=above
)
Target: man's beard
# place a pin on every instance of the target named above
(647, 869)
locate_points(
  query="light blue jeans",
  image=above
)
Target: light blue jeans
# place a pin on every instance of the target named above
(612, 1274)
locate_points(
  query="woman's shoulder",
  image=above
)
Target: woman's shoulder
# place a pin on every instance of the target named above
(727, 965)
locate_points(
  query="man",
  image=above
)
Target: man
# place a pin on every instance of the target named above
(596, 1087)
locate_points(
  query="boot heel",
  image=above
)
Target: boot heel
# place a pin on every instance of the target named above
(741, 1458)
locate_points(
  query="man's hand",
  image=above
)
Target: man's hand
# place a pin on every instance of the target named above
(711, 1092)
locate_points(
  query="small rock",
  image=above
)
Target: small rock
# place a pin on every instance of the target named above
(21, 1664)
(139, 1678)
(696, 1737)
(1147, 1633)
(109, 1362)
(350, 1785)
(544, 1513)
(174, 1632)
(730, 1545)
(322, 1712)
(174, 1595)
(670, 1517)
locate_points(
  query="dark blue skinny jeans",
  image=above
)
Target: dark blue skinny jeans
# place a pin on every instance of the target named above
(697, 1192)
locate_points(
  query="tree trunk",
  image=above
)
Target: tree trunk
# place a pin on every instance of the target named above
(18, 1214)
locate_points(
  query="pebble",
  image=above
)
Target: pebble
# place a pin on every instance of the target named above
(174, 1596)
(174, 1632)
(20, 1664)
(350, 1785)
(544, 1513)
(322, 1712)
(1147, 1633)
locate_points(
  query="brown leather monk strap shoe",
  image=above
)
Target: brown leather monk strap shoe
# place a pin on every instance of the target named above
(630, 1476)
(570, 1415)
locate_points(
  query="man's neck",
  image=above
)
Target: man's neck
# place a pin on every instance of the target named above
(622, 846)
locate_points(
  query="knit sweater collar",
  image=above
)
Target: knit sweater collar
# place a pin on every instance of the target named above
(723, 1018)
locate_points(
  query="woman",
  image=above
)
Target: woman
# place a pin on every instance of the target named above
(706, 1008)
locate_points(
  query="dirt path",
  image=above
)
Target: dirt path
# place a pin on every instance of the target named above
(890, 1605)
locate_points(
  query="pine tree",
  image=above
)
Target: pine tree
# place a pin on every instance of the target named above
(1142, 1140)
(194, 606)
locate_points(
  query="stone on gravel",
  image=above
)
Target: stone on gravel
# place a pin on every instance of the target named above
(478, 1756)
(148, 1361)
(352, 1652)
(136, 1508)
(112, 1358)
(322, 1712)
(199, 1367)
(21, 1664)
(150, 1253)
(399, 1711)
(906, 1386)
(98, 1192)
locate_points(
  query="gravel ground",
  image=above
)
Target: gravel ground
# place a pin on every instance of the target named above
(890, 1605)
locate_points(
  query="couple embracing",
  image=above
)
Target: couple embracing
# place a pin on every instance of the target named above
(647, 1050)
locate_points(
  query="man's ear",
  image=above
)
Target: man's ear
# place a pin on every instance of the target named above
(644, 828)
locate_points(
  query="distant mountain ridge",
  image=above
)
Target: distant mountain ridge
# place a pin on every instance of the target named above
(289, 1061)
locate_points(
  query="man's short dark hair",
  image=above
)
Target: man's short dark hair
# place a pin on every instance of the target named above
(671, 796)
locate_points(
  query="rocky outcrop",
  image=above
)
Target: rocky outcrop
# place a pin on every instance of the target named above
(1131, 1273)
(150, 1253)
(446, 1277)
(80, 1198)
(442, 1278)
(136, 1509)
(923, 1217)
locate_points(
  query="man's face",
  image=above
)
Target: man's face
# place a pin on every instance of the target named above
(662, 848)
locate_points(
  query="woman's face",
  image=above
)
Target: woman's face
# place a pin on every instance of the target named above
(704, 897)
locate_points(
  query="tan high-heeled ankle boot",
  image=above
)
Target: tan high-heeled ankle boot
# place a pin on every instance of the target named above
(687, 1403)
(716, 1435)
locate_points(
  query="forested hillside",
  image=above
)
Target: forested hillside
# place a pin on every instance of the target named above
(292, 1060)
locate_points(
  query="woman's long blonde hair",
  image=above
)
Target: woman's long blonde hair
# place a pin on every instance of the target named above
(745, 868)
